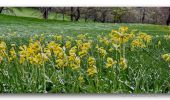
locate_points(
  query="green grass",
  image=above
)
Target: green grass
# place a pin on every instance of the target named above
(33, 25)
(146, 72)
(33, 13)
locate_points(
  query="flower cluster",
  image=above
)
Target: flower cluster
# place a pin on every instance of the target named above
(166, 57)
(91, 66)
(73, 52)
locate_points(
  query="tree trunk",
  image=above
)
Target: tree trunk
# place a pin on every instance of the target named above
(78, 14)
(63, 12)
(1, 8)
(85, 19)
(168, 20)
(95, 18)
(63, 16)
(45, 12)
(72, 14)
(143, 16)
(103, 17)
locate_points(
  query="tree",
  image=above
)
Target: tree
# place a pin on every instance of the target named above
(143, 10)
(62, 10)
(77, 14)
(45, 11)
(168, 20)
(72, 14)
(1, 8)
(118, 12)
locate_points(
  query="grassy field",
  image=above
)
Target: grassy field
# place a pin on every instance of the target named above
(30, 12)
(138, 69)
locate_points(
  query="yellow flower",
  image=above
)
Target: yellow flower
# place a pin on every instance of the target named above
(116, 46)
(33, 53)
(22, 59)
(68, 44)
(39, 58)
(82, 53)
(79, 42)
(2, 50)
(73, 50)
(137, 43)
(69, 38)
(120, 38)
(12, 54)
(123, 63)
(59, 63)
(145, 37)
(75, 64)
(91, 61)
(81, 36)
(159, 43)
(72, 57)
(91, 66)
(84, 49)
(2, 46)
(110, 62)
(166, 57)
(106, 41)
(47, 52)
(102, 52)
(123, 29)
(80, 79)
(91, 70)
(13, 45)
(77, 61)
(58, 37)
(62, 62)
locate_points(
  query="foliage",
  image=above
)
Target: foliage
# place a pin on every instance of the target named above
(46, 63)
(82, 57)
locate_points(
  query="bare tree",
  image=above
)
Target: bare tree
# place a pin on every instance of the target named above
(168, 20)
(45, 11)
(72, 14)
(1, 8)
(143, 14)
(77, 14)
(62, 10)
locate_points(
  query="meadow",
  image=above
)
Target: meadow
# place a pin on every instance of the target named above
(53, 56)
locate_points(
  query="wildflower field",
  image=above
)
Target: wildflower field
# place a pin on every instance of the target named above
(38, 56)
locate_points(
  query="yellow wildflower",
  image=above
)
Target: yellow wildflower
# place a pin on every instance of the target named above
(80, 79)
(81, 36)
(91, 61)
(166, 57)
(110, 62)
(91, 70)
(123, 63)
(159, 43)
(12, 54)
(68, 44)
(123, 29)
(102, 52)
(58, 37)
(137, 43)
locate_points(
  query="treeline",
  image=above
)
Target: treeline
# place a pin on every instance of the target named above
(153, 15)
